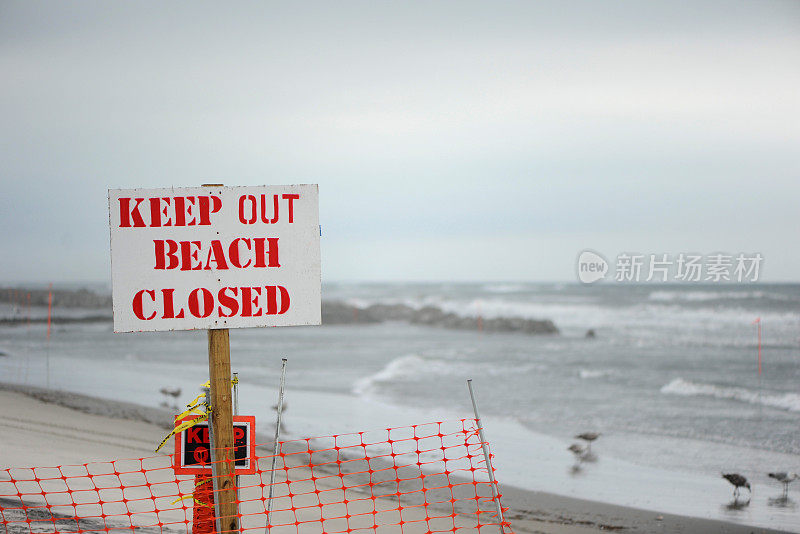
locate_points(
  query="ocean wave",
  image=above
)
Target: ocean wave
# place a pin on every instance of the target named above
(413, 367)
(402, 367)
(661, 319)
(669, 308)
(504, 288)
(705, 296)
(647, 313)
(679, 386)
(594, 373)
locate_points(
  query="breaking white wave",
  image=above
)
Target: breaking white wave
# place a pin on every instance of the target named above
(593, 373)
(704, 296)
(415, 367)
(402, 367)
(786, 401)
(674, 317)
(699, 296)
(504, 288)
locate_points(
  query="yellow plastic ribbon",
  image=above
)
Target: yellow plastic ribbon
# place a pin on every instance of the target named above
(201, 503)
(192, 409)
(183, 426)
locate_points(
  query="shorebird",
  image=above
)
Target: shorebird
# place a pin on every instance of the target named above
(576, 449)
(588, 437)
(579, 452)
(738, 481)
(784, 478)
(172, 392)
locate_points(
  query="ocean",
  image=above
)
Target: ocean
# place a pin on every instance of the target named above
(670, 379)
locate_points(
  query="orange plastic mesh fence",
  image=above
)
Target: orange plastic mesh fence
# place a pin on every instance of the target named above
(423, 478)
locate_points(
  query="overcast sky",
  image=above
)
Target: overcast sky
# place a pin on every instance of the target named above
(451, 140)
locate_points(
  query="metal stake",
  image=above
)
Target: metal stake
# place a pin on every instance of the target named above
(235, 393)
(236, 412)
(213, 457)
(275, 443)
(485, 448)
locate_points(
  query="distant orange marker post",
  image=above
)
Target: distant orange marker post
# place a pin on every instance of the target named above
(49, 309)
(758, 322)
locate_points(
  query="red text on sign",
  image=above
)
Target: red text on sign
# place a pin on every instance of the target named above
(167, 211)
(240, 253)
(199, 434)
(246, 301)
(269, 212)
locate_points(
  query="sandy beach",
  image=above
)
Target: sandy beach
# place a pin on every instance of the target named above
(48, 428)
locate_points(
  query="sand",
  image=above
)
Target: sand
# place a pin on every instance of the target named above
(47, 428)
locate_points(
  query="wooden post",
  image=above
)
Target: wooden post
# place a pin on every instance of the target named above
(49, 309)
(219, 372)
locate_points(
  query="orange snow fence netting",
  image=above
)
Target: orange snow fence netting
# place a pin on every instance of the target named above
(419, 479)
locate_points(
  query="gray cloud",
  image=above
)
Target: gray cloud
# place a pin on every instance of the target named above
(528, 129)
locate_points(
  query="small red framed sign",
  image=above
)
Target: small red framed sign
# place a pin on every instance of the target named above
(192, 447)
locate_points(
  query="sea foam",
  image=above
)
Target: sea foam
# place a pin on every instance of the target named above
(593, 373)
(785, 401)
(413, 366)
(404, 366)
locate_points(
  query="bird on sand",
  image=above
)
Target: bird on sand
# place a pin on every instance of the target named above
(173, 392)
(738, 481)
(588, 437)
(576, 449)
(580, 454)
(168, 392)
(784, 478)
